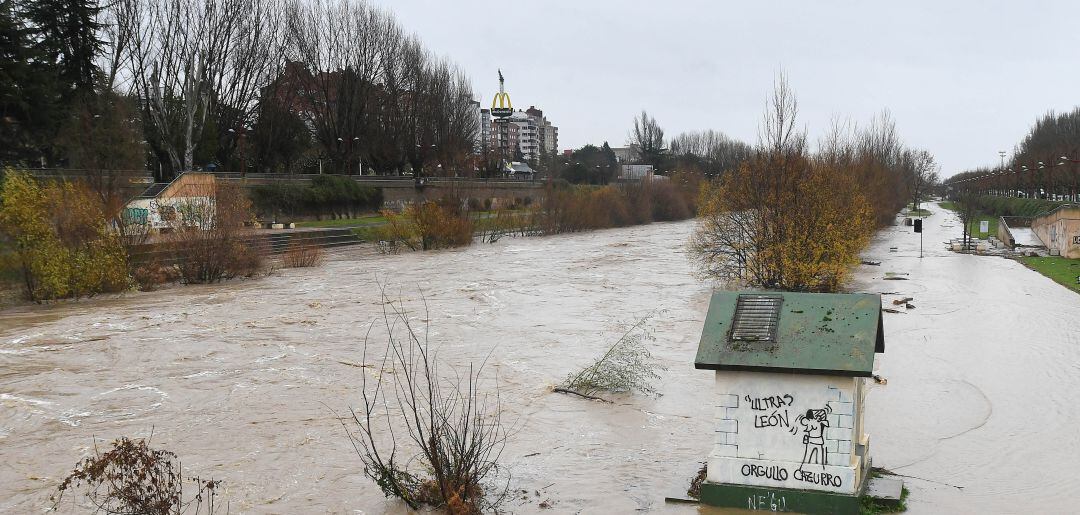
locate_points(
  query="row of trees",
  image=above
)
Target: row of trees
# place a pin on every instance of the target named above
(701, 153)
(277, 85)
(790, 218)
(707, 152)
(589, 164)
(1044, 165)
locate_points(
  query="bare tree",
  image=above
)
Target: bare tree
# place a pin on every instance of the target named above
(922, 175)
(778, 135)
(648, 136)
(191, 60)
(455, 427)
(175, 48)
(254, 57)
(373, 93)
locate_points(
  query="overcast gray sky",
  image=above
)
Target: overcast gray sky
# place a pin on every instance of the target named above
(962, 79)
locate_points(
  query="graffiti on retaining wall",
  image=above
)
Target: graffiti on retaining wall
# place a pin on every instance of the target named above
(136, 216)
(768, 502)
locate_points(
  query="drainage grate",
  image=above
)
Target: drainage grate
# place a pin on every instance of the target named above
(756, 318)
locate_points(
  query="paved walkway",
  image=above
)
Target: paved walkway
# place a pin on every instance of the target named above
(980, 405)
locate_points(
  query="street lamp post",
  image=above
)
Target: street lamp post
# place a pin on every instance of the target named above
(1072, 177)
(240, 137)
(359, 163)
(348, 153)
(1035, 188)
(1019, 179)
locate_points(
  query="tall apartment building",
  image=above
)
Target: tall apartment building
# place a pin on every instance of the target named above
(526, 131)
(478, 143)
(504, 137)
(551, 138)
(485, 131)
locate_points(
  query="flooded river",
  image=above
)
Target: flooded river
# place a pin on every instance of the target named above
(241, 380)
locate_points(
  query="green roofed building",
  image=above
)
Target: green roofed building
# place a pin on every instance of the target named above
(790, 371)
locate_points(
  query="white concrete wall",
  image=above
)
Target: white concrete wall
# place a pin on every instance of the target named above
(158, 208)
(765, 436)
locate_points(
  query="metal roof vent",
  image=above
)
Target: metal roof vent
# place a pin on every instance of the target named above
(756, 318)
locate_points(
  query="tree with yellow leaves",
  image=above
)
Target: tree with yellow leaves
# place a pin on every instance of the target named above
(61, 246)
(783, 219)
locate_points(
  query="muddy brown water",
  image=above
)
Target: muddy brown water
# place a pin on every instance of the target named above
(242, 380)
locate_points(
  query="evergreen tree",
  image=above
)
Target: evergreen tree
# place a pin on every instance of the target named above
(68, 37)
(19, 95)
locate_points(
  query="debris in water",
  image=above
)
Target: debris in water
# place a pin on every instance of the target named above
(695, 483)
(871, 263)
(880, 380)
(890, 310)
(909, 306)
(902, 301)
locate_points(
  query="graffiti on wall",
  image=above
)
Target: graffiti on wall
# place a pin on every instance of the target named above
(786, 437)
(813, 424)
(769, 502)
(774, 410)
(135, 216)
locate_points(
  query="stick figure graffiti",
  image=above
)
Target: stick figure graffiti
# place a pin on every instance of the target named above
(813, 424)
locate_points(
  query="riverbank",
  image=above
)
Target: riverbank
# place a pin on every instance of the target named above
(1063, 271)
(240, 379)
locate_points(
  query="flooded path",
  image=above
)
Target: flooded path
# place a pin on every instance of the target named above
(983, 376)
(240, 380)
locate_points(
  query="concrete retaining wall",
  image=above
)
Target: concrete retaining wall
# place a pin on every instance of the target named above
(1060, 230)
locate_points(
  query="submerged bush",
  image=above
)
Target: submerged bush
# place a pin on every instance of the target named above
(626, 366)
(452, 423)
(429, 226)
(58, 234)
(302, 254)
(586, 208)
(132, 478)
(210, 242)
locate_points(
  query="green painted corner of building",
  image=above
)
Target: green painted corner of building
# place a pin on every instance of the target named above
(803, 333)
(778, 499)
